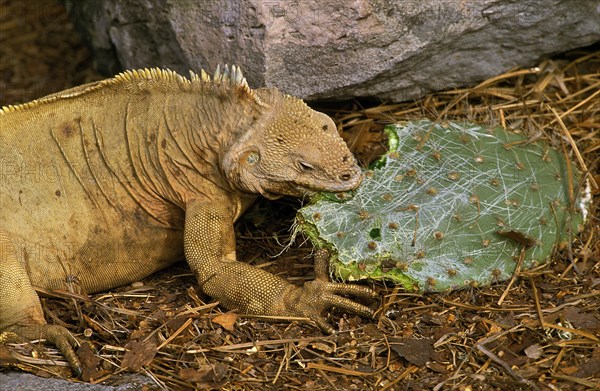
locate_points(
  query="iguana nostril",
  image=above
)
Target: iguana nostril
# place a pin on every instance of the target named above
(345, 177)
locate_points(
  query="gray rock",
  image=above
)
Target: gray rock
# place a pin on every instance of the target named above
(314, 49)
(10, 381)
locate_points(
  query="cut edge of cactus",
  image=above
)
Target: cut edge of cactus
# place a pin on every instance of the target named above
(351, 271)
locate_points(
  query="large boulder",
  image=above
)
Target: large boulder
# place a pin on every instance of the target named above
(397, 49)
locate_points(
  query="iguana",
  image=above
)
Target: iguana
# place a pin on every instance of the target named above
(106, 183)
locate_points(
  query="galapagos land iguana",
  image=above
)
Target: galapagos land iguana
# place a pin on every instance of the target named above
(106, 183)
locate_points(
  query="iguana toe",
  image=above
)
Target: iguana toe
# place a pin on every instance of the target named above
(317, 296)
(321, 294)
(65, 342)
(57, 335)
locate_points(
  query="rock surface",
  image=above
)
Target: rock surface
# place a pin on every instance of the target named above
(330, 49)
(10, 381)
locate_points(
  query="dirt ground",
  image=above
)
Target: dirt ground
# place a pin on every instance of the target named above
(543, 335)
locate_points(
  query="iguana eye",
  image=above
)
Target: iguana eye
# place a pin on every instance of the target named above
(252, 158)
(305, 166)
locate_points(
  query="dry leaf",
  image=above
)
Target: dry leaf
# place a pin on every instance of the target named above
(139, 353)
(415, 351)
(89, 362)
(518, 237)
(227, 320)
(193, 375)
(6, 356)
(534, 351)
(582, 319)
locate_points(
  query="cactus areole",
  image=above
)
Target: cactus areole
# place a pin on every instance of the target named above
(450, 206)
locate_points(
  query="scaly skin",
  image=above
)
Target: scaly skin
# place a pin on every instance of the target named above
(109, 182)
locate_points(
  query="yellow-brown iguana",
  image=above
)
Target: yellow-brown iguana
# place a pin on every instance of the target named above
(106, 183)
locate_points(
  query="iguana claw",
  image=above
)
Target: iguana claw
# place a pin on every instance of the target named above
(65, 342)
(320, 294)
(55, 334)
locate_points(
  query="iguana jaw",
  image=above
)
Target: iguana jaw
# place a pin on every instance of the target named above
(277, 188)
(338, 187)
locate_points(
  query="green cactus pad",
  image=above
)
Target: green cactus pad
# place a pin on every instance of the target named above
(450, 206)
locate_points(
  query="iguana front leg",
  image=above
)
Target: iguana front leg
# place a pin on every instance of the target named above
(209, 244)
(21, 314)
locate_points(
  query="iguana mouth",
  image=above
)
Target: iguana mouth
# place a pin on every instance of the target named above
(298, 189)
(333, 188)
(271, 196)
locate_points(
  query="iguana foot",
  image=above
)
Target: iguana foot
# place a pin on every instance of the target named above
(55, 334)
(21, 314)
(318, 295)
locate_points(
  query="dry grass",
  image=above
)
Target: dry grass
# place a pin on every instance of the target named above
(542, 333)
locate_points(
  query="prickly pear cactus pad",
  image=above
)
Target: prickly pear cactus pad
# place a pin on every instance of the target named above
(448, 207)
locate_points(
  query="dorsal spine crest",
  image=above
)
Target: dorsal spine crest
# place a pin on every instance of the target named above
(226, 77)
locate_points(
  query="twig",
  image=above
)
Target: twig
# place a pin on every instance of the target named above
(514, 276)
(499, 361)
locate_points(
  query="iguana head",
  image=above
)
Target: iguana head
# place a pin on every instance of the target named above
(292, 150)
